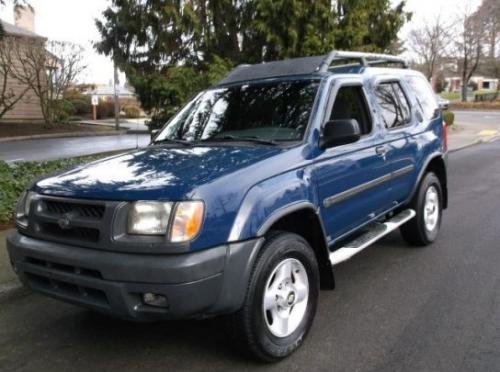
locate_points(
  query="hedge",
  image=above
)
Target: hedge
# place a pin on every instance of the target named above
(15, 177)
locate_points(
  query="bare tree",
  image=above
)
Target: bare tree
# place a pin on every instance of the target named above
(10, 91)
(490, 14)
(431, 44)
(49, 71)
(468, 46)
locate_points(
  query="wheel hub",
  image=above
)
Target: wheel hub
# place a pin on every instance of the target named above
(285, 297)
(431, 208)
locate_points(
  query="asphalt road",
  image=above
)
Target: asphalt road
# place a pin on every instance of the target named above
(479, 117)
(395, 308)
(57, 148)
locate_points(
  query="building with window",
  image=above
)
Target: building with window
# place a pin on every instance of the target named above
(21, 35)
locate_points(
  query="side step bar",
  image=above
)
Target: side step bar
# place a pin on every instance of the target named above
(375, 232)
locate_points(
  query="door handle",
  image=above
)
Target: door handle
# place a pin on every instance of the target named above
(381, 150)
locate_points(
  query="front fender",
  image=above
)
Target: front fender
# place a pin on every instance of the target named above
(269, 199)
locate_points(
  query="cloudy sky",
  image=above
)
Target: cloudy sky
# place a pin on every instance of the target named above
(73, 20)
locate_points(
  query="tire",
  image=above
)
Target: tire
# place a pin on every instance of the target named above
(286, 271)
(423, 229)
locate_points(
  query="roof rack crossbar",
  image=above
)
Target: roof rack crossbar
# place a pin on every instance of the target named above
(365, 59)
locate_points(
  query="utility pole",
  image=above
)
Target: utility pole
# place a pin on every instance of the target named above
(117, 99)
(115, 85)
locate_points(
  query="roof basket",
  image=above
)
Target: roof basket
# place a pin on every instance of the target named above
(307, 65)
(365, 59)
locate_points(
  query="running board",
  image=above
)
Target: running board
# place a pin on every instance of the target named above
(375, 232)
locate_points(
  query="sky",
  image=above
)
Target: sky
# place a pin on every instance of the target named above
(73, 20)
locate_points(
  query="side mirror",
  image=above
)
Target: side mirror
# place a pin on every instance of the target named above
(339, 132)
(153, 134)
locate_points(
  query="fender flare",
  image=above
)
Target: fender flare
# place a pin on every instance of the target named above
(421, 174)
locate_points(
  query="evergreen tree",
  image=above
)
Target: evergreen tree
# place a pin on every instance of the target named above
(169, 49)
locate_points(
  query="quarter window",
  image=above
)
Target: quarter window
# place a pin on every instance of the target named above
(426, 98)
(394, 105)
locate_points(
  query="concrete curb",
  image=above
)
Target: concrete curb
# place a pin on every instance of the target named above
(64, 135)
(11, 290)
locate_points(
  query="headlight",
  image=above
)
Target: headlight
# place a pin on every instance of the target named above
(154, 218)
(187, 221)
(149, 218)
(23, 205)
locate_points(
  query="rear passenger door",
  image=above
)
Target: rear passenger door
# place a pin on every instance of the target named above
(399, 148)
(350, 178)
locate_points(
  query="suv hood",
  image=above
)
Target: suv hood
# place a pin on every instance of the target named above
(156, 172)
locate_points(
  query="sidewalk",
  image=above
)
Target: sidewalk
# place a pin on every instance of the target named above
(470, 130)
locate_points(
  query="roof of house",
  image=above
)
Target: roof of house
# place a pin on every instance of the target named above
(10, 29)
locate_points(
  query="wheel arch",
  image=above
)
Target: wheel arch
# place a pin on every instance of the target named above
(302, 219)
(437, 165)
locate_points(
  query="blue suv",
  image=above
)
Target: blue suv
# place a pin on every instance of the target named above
(245, 200)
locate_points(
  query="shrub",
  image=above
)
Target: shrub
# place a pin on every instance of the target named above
(480, 96)
(16, 177)
(80, 102)
(105, 110)
(132, 112)
(448, 117)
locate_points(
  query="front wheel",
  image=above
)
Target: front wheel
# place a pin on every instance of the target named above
(281, 299)
(428, 204)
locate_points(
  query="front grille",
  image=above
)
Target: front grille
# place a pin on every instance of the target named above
(83, 234)
(81, 210)
(77, 222)
(68, 290)
(64, 268)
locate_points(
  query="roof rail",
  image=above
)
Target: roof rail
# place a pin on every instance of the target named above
(365, 59)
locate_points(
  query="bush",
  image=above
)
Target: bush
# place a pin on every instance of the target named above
(448, 117)
(80, 102)
(16, 177)
(105, 110)
(63, 111)
(132, 112)
(481, 96)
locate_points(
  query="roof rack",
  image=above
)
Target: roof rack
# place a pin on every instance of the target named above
(307, 65)
(365, 59)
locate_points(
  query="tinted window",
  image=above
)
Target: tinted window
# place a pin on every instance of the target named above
(272, 111)
(350, 103)
(394, 105)
(425, 96)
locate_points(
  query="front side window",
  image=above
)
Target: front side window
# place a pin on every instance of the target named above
(277, 111)
(394, 105)
(350, 103)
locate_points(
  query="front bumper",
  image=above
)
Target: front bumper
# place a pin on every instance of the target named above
(198, 284)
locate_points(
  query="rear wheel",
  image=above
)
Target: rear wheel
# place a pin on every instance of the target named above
(427, 203)
(281, 299)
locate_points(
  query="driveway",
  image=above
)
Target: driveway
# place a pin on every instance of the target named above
(396, 308)
(57, 148)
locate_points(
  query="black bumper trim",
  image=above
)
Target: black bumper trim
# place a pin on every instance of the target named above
(196, 284)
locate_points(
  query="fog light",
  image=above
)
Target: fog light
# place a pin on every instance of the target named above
(153, 299)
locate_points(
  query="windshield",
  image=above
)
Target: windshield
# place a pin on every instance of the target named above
(277, 111)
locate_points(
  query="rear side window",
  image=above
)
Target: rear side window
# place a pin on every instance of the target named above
(425, 96)
(394, 105)
(350, 103)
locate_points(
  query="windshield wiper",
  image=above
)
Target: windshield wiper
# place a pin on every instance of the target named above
(254, 139)
(175, 141)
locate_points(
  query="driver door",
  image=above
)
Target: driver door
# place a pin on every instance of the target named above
(351, 178)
